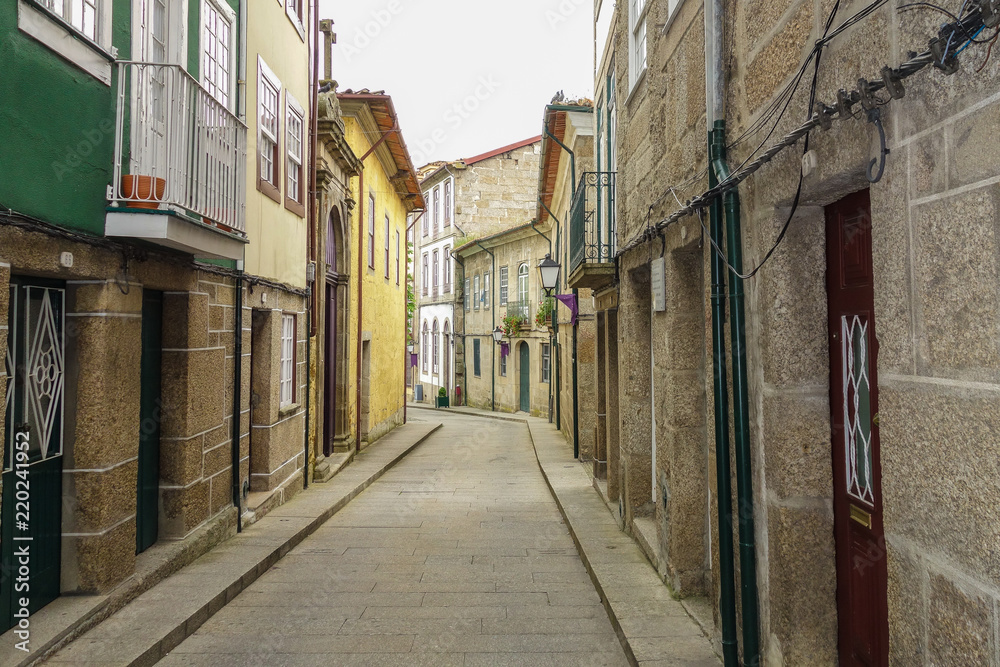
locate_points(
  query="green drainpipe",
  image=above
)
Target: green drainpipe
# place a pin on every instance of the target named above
(741, 416)
(727, 589)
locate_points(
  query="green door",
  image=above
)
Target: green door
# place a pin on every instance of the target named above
(148, 482)
(31, 513)
(525, 379)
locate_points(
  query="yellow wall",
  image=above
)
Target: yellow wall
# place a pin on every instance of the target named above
(384, 301)
(278, 237)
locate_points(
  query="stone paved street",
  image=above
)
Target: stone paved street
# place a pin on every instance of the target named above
(457, 556)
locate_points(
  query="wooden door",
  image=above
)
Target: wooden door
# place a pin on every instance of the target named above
(330, 371)
(525, 377)
(860, 539)
(150, 409)
(31, 520)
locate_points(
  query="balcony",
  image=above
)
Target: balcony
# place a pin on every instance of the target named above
(592, 237)
(523, 310)
(180, 164)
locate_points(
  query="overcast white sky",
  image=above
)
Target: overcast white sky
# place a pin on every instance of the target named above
(465, 76)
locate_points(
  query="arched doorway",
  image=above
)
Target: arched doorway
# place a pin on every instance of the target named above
(335, 436)
(525, 377)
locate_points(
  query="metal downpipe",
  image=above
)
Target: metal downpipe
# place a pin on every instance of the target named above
(741, 412)
(723, 474)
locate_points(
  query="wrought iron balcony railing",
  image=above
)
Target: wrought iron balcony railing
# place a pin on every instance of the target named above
(592, 235)
(189, 146)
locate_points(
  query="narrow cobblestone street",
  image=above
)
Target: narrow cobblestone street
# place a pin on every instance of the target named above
(457, 556)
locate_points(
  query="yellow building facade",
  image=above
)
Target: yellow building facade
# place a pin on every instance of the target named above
(384, 192)
(275, 317)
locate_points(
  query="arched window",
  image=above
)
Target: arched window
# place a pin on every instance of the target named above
(424, 340)
(434, 344)
(522, 283)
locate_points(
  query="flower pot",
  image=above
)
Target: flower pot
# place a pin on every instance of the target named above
(442, 401)
(143, 191)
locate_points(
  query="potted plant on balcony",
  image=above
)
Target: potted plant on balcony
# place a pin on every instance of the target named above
(142, 191)
(511, 325)
(442, 398)
(543, 317)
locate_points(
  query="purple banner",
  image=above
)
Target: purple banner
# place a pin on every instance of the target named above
(504, 349)
(569, 300)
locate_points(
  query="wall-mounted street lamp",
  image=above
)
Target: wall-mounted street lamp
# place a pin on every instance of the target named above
(497, 335)
(548, 271)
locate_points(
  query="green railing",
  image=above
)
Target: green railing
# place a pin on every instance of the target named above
(592, 236)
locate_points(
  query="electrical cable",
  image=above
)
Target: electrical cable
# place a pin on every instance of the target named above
(916, 63)
(989, 51)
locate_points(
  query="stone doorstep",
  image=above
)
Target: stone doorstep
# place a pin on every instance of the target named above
(163, 615)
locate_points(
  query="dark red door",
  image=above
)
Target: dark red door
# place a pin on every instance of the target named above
(857, 501)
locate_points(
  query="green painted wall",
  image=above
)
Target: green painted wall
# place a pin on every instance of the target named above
(56, 141)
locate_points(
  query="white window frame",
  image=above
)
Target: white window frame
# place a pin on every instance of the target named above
(267, 78)
(296, 12)
(486, 291)
(522, 294)
(423, 347)
(449, 196)
(503, 285)
(93, 56)
(287, 360)
(397, 256)
(435, 270)
(229, 15)
(475, 292)
(637, 44)
(467, 296)
(425, 275)
(294, 110)
(427, 214)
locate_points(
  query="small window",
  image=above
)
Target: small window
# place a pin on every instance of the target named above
(466, 296)
(371, 231)
(435, 271)
(83, 15)
(503, 285)
(424, 340)
(287, 379)
(447, 203)
(217, 52)
(546, 361)
(268, 94)
(503, 365)
(475, 357)
(425, 276)
(387, 247)
(476, 295)
(295, 9)
(435, 345)
(295, 184)
(437, 207)
(486, 291)
(637, 38)
(426, 215)
(447, 268)
(397, 257)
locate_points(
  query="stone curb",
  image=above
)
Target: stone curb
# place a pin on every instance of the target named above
(238, 576)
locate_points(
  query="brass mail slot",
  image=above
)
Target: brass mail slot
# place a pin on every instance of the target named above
(861, 516)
